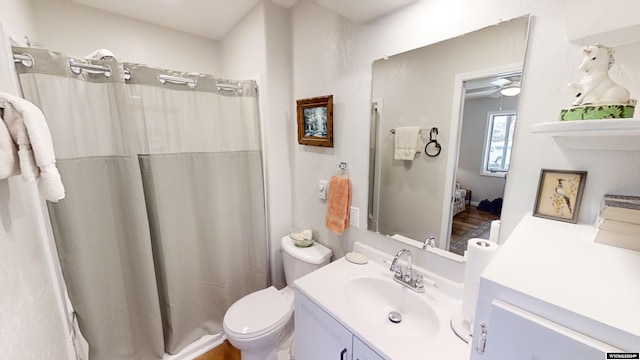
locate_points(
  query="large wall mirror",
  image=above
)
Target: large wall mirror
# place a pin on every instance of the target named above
(466, 88)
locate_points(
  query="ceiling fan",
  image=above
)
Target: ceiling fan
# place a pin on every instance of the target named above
(507, 86)
(493, 87)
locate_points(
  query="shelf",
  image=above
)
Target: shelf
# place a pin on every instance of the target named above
(609, 134)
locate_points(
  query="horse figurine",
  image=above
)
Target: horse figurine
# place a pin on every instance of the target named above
(596, 87)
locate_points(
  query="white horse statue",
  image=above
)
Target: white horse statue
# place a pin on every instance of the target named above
(596, 87)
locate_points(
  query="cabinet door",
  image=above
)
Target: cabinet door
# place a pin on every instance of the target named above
(363, 352)
(513, 333)
(317, 335)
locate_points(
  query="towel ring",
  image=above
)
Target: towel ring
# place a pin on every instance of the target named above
(429, 150)
(433, 153)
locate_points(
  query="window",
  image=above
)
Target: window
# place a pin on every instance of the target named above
(498, 142)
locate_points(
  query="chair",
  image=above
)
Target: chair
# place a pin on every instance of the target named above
(459, 200)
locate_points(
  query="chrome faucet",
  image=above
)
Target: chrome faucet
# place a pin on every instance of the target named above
(406, 278)
(429, 242)
(398, 268)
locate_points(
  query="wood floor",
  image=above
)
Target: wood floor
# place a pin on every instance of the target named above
(225, 351)
(468, 220)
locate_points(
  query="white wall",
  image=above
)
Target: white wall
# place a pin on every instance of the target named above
(243, 47)
(17, 17)
(544, 93)
(79, 30)
(329, 59)
(259, 46)
(333, 55)
(31, 325)
(278, 126)
(472, 141)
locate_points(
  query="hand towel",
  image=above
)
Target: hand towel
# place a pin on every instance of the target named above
(29, 131)
(406, 142)
(9, 164)
(338, 204)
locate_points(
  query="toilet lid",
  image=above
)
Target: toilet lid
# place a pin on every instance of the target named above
(258, 313)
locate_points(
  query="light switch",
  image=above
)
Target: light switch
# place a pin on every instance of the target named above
(322, 189)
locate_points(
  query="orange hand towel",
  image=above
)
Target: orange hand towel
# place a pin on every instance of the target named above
(338, 205)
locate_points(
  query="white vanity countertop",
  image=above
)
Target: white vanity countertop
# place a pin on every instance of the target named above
(560, 264)
(326, 287)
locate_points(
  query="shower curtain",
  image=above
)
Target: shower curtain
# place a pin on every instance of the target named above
(164, 224)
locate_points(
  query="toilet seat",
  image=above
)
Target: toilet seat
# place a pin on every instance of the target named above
(258, 313)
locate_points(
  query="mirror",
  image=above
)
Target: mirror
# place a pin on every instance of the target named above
(455, 86)
(488, 120)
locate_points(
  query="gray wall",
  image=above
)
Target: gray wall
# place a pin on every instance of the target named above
(474, 128)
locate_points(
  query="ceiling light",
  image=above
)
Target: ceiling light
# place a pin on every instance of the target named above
(510, 90)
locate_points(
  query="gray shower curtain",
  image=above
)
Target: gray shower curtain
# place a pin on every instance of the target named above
(164, 225)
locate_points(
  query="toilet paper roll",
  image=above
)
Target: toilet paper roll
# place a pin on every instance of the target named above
(495, 231)
(479, 254)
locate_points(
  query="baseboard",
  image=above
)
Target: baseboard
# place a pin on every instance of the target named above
(197, 348)
(474, 203)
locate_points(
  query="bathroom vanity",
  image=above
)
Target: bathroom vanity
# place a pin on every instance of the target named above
(342, 312)
(551, 292)
(320, 336)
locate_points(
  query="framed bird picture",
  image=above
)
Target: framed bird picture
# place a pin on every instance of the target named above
(560, 194)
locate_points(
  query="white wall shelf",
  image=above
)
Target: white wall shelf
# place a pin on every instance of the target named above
(609, 134)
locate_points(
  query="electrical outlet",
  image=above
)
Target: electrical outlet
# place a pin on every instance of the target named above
(354, 217)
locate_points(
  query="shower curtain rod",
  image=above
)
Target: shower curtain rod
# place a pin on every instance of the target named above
(28, 61)
(73, 65)
(177, 80)
(193, 82)
(230, 86)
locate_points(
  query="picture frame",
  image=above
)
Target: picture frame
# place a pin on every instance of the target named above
(560, 194)
(315, 121)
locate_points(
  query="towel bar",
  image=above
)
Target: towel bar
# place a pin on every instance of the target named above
(393, 131)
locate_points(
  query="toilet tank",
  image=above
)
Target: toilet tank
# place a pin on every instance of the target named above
(299, 261)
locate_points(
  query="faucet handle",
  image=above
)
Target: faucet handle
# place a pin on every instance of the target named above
(419, 282)
(395, 267)
(398, 273)
(408, 275)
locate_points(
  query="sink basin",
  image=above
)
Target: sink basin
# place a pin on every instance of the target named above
(372, 299)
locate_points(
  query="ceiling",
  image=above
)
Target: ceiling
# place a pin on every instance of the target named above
(363, 11)
(208, 18)
(490, 86)
(214, 18)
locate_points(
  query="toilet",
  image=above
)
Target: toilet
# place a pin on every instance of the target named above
(258, 322)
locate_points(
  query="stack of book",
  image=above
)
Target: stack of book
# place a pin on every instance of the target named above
(619, 222)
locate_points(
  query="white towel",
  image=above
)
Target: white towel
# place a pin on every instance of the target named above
(406, 140)
(29, 131)
(9, 164)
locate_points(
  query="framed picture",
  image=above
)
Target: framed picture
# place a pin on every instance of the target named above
(315, 121)
(560, 194)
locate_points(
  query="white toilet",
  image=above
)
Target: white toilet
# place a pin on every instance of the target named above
(258, 322)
